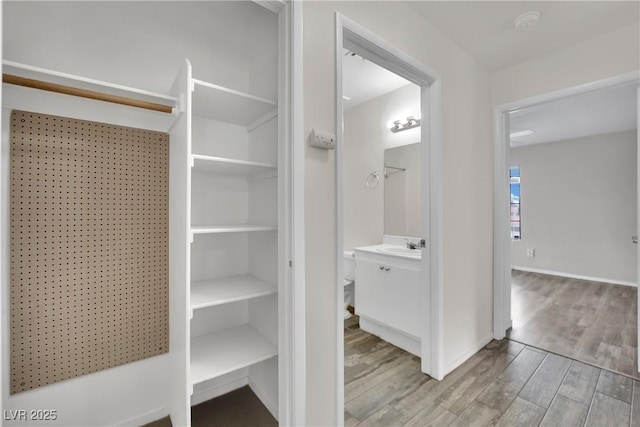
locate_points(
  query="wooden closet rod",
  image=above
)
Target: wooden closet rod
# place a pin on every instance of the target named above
(84, 93)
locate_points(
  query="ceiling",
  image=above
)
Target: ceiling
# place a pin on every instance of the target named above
(597, 112)
(486, 30)
(363, 80)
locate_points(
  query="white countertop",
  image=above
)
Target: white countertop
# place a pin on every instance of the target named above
(388, 250)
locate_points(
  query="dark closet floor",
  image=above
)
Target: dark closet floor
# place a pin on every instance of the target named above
(239, 408)
(163, 422)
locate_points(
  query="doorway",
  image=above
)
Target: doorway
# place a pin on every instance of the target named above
(574, 263)
(366, 45)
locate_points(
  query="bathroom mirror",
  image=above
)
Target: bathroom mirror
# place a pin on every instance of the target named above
(402, 191)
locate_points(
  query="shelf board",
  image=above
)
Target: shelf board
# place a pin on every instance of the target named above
(225, 166)
(226, 351)
(80, 83)
(207, 293)
(231, 228)
(227, 105)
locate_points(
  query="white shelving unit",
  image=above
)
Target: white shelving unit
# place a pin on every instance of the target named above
(232, 188)
(215, 102)
(207, 293)
(85, 83)
(230, 301)
(226, 351)
(230, 319)
(231, 229)
(233, 167)
(229, 285)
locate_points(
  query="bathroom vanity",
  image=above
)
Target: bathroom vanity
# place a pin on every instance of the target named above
(388, 294)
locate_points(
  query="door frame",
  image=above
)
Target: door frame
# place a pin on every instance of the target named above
(501, 223)
(291, 319)
(368, 45)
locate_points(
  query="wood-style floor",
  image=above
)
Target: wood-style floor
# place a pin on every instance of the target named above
(505, 384)
(588, 321)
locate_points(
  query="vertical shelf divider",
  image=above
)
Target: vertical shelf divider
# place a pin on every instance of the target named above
(179, 247)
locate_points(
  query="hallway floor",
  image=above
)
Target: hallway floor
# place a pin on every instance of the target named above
(588, 321)
(505, 384)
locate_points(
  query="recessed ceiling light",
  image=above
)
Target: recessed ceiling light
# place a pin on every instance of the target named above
(527, 19)
(521, 133)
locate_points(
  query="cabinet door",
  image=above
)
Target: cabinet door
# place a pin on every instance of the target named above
(403, 299)
(370, 290)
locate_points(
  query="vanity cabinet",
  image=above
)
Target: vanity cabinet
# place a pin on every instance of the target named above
(388, 292)
(402, 297)
(370, 278)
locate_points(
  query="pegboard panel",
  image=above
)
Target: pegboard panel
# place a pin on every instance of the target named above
(89, 247)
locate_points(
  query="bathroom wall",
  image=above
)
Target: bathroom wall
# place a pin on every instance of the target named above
(578, 207)
(467, 170)
(366, 137)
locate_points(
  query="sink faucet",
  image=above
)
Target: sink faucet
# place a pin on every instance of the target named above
(411, 245)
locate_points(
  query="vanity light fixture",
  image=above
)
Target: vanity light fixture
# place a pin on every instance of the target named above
(410, 123)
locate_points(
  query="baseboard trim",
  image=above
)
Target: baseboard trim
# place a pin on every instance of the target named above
(264, 398)
(394, 336)
(473, 350)
(145, 418)
(575, 276)
(217, 390)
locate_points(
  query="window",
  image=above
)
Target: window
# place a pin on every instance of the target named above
(514, 184)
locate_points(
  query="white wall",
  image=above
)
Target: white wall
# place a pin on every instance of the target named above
(467, 173)
(579, 206)
(129, 395)
(366, 137)
(610, 54)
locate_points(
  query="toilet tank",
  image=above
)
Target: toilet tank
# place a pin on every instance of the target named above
(349, 265)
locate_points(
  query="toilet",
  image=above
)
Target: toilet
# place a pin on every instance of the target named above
(349, 272)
